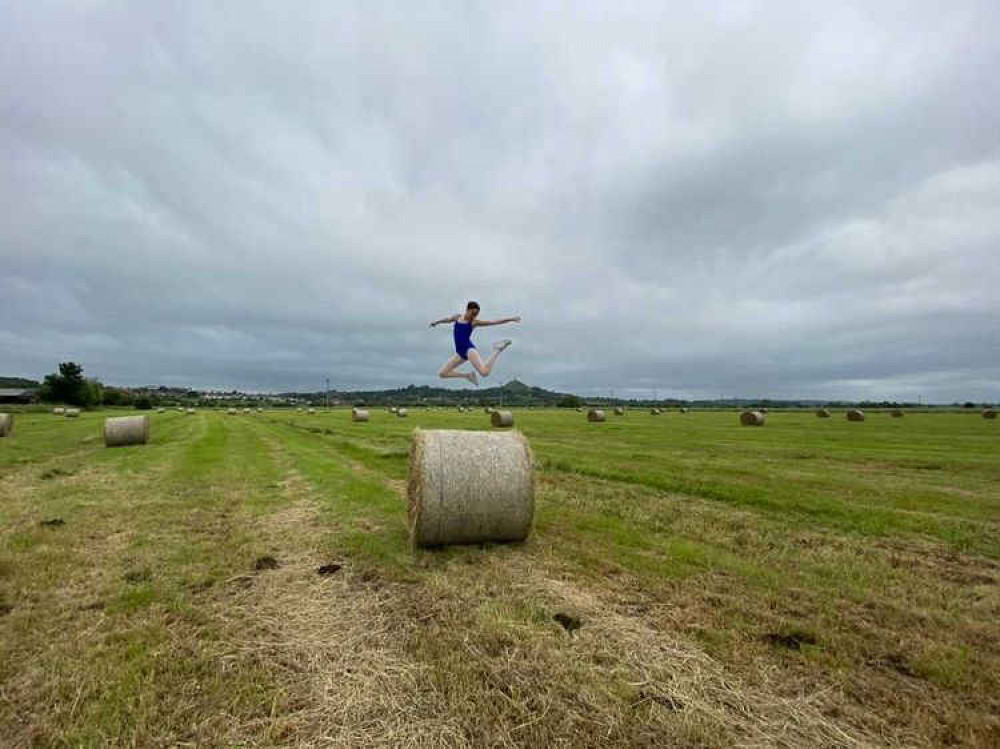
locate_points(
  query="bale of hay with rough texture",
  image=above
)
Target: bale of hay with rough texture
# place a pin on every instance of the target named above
(72, 412)
(161, 410)
(58, 411)
(359, 414)
(401, 413)
(6, 424)
(752, 419)
(822, 413)
(232, 412)
(684, 410)
(502, 418)
(897, 413)
(469, 487)
(855, 414)
(654, 411)
(190, 411)
(596, 414)
(619, 411)
(989, 413)
(312, 410)
(126, 430)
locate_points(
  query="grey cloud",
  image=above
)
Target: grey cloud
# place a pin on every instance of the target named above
(741, 200)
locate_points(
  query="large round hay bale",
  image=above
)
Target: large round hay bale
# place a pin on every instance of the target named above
(312, 410)
(359, 414)
(855, 414)
(579, 409)
(401, 413)
(822, 413)
(126, 430)
(469, 487)
(232, 412)
(684, 411)
(58, 411)
(596, 414)
(190, 411)
(897, 413)
(72, 413)
(752, 419)
(654, 411)
(161, 410)
(989, 413)
(619, 411)
(502, 418)
(6, 424)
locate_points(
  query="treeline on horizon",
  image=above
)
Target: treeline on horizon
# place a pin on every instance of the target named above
(69, 386)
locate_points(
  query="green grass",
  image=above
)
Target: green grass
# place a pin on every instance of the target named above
(859, 562)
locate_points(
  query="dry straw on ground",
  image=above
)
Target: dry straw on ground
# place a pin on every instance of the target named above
(596, 414)
(469, 487)
(502, 418)
(126, 430)
(855, 414)
(823, 413)
(6, 424)
(359, 414)
(752, 419)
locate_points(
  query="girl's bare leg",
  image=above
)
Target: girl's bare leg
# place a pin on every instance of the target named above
(483, 368)
(448, 370)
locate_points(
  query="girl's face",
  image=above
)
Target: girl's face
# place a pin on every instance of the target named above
(471, 313)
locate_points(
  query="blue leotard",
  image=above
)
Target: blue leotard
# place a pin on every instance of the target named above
(463, 338)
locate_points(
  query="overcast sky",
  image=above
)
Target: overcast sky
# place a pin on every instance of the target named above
(703, 199)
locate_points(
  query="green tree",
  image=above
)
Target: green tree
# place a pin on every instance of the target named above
(70, 386)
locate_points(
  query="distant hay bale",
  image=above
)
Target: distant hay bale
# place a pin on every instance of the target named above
(6, 424)
(393, 409)
(752, 419)
(469, 487)
(126, 430)
(312, 410)
(72, 413)
(579, 409)
(619, 411)
(684, 411)
(58, 411)
(161, 410)
(654, 411)
(596, 414)
(359, 414)
(897, 413)
(247, 410)
(190, 411)
(855, 414)
(260, 410)
(232, 412)
(989, 413)
(502, 418)
(401, 413)
(822, 413)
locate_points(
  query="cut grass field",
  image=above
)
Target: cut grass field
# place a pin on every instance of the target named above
(689, 582)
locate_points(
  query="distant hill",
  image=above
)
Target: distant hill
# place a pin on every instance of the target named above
(513, 393)
(18, 382)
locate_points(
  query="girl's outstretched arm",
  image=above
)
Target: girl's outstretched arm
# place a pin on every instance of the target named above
(501, 321)
(452, 318)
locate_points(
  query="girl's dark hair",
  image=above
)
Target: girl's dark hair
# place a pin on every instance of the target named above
(472, 305)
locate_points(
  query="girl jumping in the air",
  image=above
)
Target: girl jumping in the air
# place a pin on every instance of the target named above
(465, 349)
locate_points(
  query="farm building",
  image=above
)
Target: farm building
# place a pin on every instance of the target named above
(17, 395)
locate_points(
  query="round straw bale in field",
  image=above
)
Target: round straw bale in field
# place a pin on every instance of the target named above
(897, 413)
(247, 410)
(393, 409)
(359, 414)
(469, 487)
(6, 424)
(312, 410)
(502, 418)
(72, 412)
(190, 411)
(684, 411)
(58, 410)
(579, 409)
(619, 411)
(232, 412)
(596, 414)
(752, 419)
(401, 413)
(989, 413)
(822, 413)
(654, 411)
(126, 430)
(161, 410)
(855, 414)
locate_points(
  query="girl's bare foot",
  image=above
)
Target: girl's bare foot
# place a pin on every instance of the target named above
(501, 345)
(471, 377)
